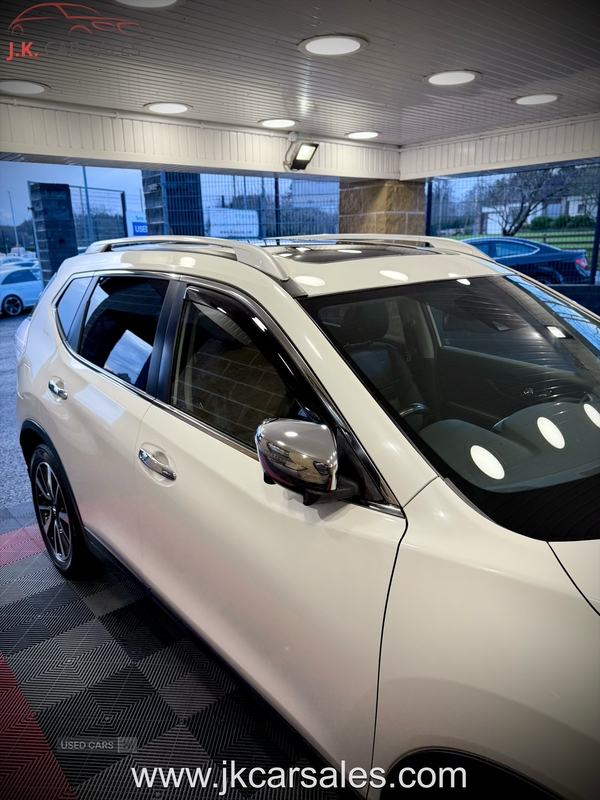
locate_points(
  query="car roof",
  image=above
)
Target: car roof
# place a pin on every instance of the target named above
(374, 268)
(323, 264)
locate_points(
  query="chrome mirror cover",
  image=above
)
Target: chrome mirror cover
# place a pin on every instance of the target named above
(297, 454)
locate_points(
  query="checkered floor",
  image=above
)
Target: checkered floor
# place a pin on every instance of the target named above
(98, 661)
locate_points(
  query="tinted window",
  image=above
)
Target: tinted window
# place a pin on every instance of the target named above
(20, 276)
(510, 413)
(513, 249)
(222, 377)
(69, 303)
(120, 326)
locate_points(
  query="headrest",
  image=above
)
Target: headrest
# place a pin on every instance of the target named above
(364, 323)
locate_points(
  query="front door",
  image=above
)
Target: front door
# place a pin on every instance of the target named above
(292, 596)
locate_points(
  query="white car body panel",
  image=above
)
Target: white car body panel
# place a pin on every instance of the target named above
(488, 648)
(581, 559)
(293, 596)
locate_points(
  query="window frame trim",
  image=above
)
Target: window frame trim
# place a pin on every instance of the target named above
(390, 503)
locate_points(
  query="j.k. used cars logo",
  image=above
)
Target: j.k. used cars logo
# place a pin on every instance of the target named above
(75, 18)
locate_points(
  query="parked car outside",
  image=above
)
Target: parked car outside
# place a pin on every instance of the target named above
(544, 262)
(365, 469)
(19, 289)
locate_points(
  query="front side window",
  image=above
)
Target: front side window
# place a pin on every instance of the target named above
(496, 381)
(224, 374)
(120, 326)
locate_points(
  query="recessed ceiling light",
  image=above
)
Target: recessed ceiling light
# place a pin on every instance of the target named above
(535, 99)
(150, 3)
(22, 87)
(452, 77)
(362, 135)
(332, 45)
(167, 108)
(278, 123)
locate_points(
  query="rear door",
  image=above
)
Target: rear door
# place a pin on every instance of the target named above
(105, 366)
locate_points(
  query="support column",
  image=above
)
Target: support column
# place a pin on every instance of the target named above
(382, 206)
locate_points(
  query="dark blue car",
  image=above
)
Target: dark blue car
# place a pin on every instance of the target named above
(544, 262)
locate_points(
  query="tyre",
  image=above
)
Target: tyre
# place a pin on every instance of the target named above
(12, 306)
(57, 515)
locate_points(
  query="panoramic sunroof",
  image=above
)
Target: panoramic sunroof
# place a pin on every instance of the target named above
(326, 254)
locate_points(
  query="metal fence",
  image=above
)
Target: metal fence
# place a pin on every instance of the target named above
(239, 206)
(98, 214)
(529, 209)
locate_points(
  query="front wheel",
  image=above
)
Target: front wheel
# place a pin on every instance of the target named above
(57, 515)
(12, 306)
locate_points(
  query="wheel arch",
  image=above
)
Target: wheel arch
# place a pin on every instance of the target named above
(479, 774)
(30, 437)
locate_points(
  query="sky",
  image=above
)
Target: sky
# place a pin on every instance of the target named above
(14, 176)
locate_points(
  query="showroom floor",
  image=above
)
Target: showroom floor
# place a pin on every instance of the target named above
(99, 661)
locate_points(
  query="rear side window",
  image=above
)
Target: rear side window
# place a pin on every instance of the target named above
(120, 326)
(68, 305)
(21, 276)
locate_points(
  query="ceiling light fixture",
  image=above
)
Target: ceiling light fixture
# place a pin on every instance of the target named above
(300, 154)
(167, 108)
(332, 45)
(535, 99)
(278, 123)
(22, 87)
(454, 77)
(362, 135)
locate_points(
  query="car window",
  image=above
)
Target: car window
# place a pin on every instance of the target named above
(222, 375)
(120, 326)
(513, 249)
(506, 405)
(20, 276)
(489, 248)
(69, 303)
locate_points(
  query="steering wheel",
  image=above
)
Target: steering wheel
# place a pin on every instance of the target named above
(415, 408)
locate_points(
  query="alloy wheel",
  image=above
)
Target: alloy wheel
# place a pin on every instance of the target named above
(12, 306)
(53, 513)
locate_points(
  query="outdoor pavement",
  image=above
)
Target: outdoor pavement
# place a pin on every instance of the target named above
(14, 481)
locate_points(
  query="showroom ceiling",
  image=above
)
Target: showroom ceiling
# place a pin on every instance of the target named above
(237, 62)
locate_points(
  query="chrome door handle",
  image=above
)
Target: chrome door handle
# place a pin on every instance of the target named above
(58, 390)
(148, 460)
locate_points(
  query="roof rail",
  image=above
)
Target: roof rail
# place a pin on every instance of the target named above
(438, 242)
(250, 254)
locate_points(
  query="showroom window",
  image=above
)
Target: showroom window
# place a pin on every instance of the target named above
(222, 376)
(68, 305)
(120, 326)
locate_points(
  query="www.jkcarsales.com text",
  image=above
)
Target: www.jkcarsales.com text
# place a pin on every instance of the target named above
(230, 776)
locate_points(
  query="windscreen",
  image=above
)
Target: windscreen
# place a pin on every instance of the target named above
(497, 381)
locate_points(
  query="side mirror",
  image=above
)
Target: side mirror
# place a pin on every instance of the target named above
(302, 456)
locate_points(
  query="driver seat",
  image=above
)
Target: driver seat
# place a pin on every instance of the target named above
(361, 334)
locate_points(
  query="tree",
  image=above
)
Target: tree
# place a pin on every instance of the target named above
(514, 197)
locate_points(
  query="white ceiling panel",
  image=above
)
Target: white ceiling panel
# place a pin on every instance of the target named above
(237, 62)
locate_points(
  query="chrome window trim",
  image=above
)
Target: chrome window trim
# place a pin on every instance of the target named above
(205, 428)
(390, 505)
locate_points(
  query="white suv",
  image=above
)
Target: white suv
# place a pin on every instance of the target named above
(366, 469)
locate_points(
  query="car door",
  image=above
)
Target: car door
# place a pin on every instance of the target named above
(292, 596)
(98, 391)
